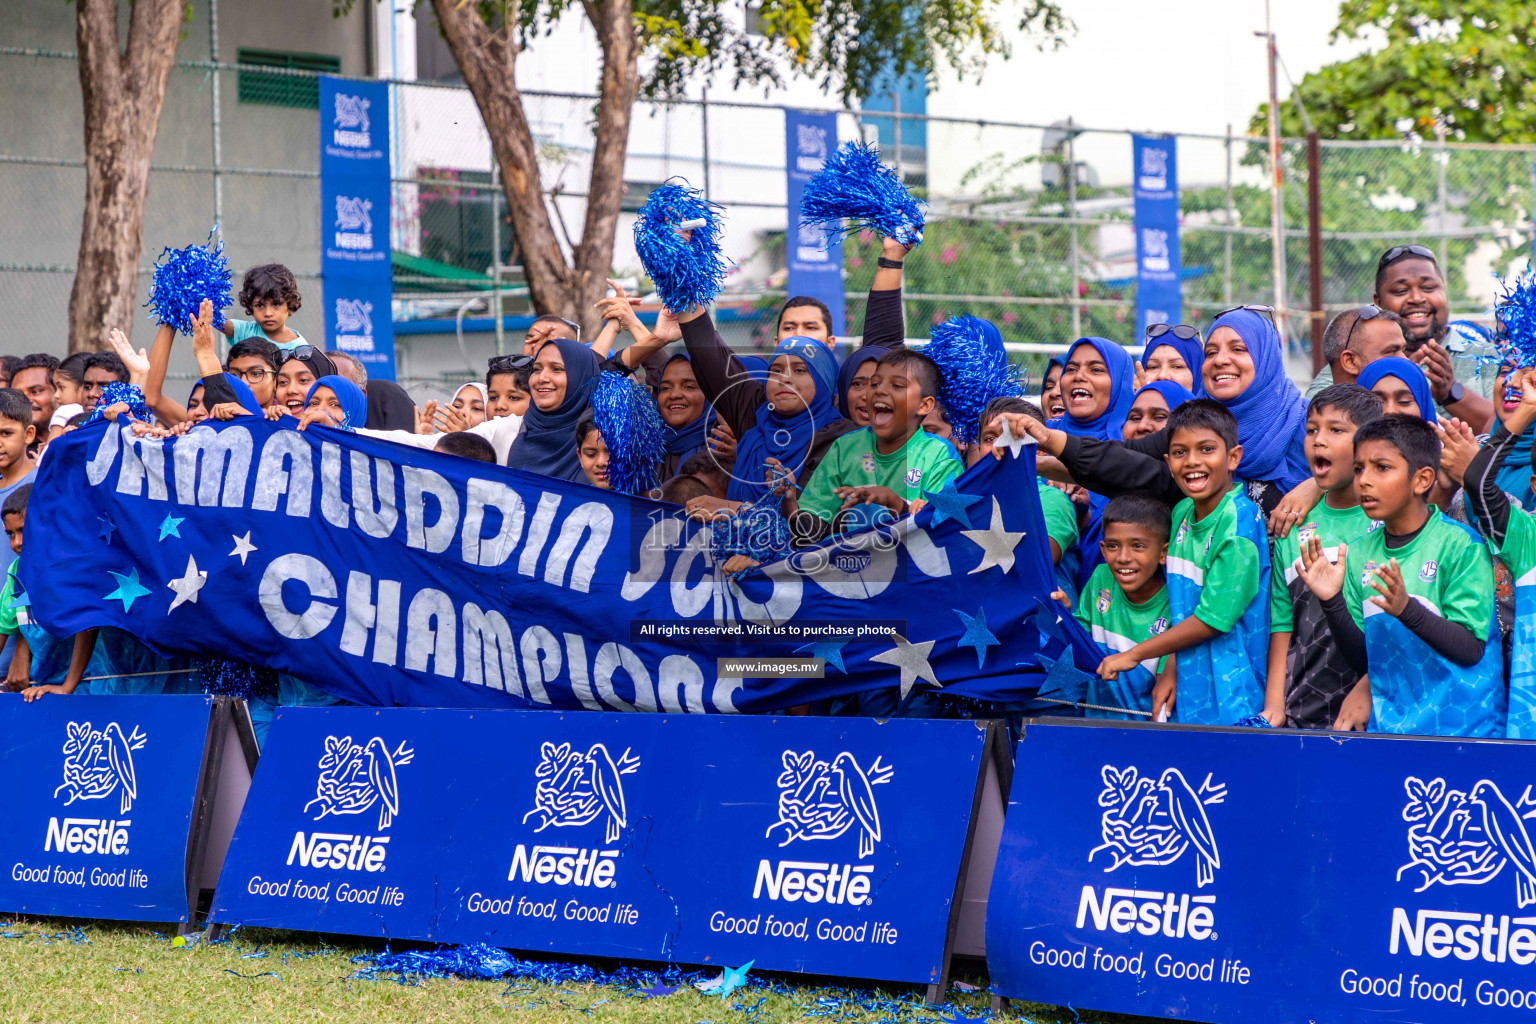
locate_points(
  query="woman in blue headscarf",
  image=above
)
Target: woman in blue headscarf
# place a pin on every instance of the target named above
(1244, 370)
(1149, 410)
(564, 374)
(1402, 386)
(338, 401)
(1171, 356)
(1050, 387)
(1097, 387)
(853, 383)
(797, 405)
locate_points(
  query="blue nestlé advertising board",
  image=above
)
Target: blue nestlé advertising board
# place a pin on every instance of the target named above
(803, 844)
(1274, 875)
(97, 804)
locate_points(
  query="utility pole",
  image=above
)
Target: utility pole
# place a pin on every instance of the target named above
(1276, 196)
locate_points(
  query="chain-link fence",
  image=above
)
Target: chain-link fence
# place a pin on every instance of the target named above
(1030, 225)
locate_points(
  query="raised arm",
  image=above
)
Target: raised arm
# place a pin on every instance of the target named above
(735, 396)
(166, 410)
(884, 322)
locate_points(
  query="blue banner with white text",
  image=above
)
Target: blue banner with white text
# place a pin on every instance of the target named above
(823, 845)
(815, 259)
(355, 195)
(1229, 875)
(97, 804)
(1155, 196)
(392, 575)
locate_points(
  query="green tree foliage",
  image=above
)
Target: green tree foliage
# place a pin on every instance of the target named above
(1468, 63)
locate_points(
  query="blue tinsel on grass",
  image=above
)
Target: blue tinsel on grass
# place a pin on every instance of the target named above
(854, 186)
(976, 370)
(687, 273)
(1515, 310)
(632, 428)
(184, 278)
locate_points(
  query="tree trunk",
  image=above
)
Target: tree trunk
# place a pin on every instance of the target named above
(123, 93)
(487, 61)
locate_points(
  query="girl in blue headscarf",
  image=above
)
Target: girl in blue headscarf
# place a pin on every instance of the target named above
(340, 400)
(564, 374)
(1402, 386)
(1244, 370)
(684, 410)
(1170, 357)
(1149, 410)
(1050, 387)
(853, 383)
(802, 380)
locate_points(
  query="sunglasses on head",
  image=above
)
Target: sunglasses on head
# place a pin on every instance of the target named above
(1268, 311)
(1183, 332)
(302, 353)
(507, 364)
(1369, 311)
(1397, 252)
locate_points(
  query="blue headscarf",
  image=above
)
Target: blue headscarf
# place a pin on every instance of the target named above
(1191, 351)
(756, 366)
(683, 441)
(850, 369)
(786, 438)
(546, 444)
(1122, 378)
(244, 396)
(1409, 373)
(1271, 414)
(1174, 393)
(354, 404)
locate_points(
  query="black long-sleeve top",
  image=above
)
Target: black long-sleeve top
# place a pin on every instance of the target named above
(1113, 468)
(1450, 640)
(1487, 504)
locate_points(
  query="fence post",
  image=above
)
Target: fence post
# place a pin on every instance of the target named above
(1441, 155)
(216, 120)
(704, 130)
(1226, 281)
(501, 330)
(1315, 245)
(1071, 169)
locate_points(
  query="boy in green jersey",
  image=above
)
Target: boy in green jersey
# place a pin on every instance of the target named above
(1311, 685)
(1125, 603)
(1412, 603)
(889, 463)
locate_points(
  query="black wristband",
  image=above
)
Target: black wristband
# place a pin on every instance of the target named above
(888, 264)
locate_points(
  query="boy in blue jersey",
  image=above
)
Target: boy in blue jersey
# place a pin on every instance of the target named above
(1218, 579)
(1412, 603)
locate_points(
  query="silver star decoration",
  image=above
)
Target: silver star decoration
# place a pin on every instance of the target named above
(996, 543)
(187, 586)
(1005, 439)
(243, 546)
(911, 659)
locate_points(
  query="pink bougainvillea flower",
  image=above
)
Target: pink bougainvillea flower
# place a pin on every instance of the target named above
(949, 255)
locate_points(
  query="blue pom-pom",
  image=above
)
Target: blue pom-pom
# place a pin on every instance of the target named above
(1255, 722)
(687, 273)
(235, 678)
(632, 428)
(854, 186)
(758, 531)
(184, 278)
(865, 515)
(118, 392)
(1515, 310)
(976, 370)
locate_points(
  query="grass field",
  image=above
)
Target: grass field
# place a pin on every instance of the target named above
(63, 971)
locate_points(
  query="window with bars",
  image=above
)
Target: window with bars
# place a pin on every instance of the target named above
(299, 91)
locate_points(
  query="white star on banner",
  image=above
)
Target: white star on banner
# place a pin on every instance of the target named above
(996, 543)
(911, 659)
(1005, 439)
(243, 546)
(187, 586)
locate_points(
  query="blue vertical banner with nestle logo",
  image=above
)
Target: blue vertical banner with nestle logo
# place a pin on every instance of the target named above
(98, 803)
(815, 260)
(823, 845)
(355, 221)
(1275, 875)
(1155, 191)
